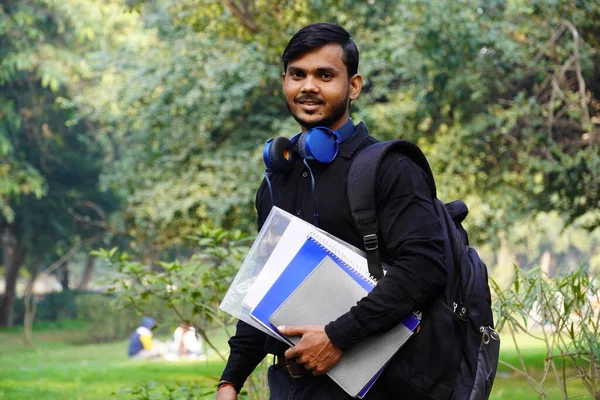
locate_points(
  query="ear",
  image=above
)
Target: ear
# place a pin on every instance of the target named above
(355, 86)
(283, 80)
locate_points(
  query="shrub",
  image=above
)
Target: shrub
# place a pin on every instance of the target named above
(563, 312)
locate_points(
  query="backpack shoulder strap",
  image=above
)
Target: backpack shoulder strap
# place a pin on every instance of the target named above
(362, 181)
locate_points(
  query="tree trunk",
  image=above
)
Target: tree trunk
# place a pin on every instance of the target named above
(87, 273)
(152, 256)
(545, 263)
(64, 277)
(35, 268)
(13, 256)
(505, 259)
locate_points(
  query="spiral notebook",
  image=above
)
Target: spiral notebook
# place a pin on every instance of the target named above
(315, 248)
(317, 287)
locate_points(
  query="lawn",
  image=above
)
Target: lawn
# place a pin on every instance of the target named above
(58, 369)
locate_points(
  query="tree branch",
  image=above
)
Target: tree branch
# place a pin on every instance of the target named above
(30, 308)
(243, 14)
(559, 31)
(580, 80)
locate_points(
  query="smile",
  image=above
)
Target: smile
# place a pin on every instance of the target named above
(309, 105)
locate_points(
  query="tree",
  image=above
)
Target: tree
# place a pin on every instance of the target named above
(500, 96)
(52, 161)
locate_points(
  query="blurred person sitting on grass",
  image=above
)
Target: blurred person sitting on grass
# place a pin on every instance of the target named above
(141, 346)
(187, 343)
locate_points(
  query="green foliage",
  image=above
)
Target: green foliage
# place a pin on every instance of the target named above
(191, 290)
(52, 307)
(500, 95)
(256, 388)
(106, 323)
(562, 313)
(155, 391)
(49, 160)
(42, 44)
(477, 84)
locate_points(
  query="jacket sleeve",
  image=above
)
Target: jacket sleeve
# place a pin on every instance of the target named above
(247, 351)
(410, 228)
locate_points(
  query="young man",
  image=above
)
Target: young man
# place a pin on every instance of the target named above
(320, 79)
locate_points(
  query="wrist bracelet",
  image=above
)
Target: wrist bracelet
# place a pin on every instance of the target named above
(222, 385)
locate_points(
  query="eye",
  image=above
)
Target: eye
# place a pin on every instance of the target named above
(297, 75)
(326, 76)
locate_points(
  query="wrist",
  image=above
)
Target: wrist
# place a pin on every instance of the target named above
(224, 384)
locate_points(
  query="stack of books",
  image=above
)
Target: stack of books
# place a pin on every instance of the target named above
(296, 274)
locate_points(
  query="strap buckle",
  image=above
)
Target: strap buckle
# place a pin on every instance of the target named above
(371, 242)
(292, 367)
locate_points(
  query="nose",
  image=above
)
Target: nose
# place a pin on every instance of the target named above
(310, 84)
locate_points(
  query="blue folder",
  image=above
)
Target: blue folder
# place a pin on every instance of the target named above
(306, 260)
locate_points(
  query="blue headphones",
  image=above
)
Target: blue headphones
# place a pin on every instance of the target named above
(319, 143)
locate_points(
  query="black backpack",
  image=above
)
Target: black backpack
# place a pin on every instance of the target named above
(455, 352)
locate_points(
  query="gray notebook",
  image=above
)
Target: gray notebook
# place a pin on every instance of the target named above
(327, 293)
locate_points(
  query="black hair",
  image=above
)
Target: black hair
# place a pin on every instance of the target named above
(316, 35)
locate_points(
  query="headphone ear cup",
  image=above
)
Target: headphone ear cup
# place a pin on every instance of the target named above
(279, 155)
(321, 143)
(302, 145)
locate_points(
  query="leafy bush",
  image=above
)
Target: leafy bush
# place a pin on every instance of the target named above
(53, 307)
(563, 313)
(156, 391)
(108, 322)
(256, 388)
(191, 290)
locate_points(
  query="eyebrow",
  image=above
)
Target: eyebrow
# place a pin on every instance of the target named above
(320, 70)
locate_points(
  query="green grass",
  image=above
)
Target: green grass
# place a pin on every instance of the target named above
(511, 385)
(58, 369)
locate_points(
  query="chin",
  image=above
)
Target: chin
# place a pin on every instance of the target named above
(309, 123)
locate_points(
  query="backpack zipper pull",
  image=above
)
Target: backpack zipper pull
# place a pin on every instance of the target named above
(463, 310)
(488, 333)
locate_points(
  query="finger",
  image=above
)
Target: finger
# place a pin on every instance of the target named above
(291, 330)
(291, 352)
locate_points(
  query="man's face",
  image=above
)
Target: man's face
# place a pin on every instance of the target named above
(317, 88)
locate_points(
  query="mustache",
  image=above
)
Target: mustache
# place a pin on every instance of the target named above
(307, 97)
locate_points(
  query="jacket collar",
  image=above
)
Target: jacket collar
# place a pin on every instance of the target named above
(349, 146)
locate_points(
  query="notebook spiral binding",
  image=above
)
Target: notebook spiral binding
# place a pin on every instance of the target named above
(333, 248)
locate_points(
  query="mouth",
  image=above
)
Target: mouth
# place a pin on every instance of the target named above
(309, 105)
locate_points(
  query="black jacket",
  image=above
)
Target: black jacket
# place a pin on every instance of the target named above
(410, 230)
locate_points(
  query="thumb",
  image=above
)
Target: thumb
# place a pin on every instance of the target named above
(290, 330)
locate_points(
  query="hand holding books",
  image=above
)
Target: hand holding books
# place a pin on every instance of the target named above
(314, 350)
